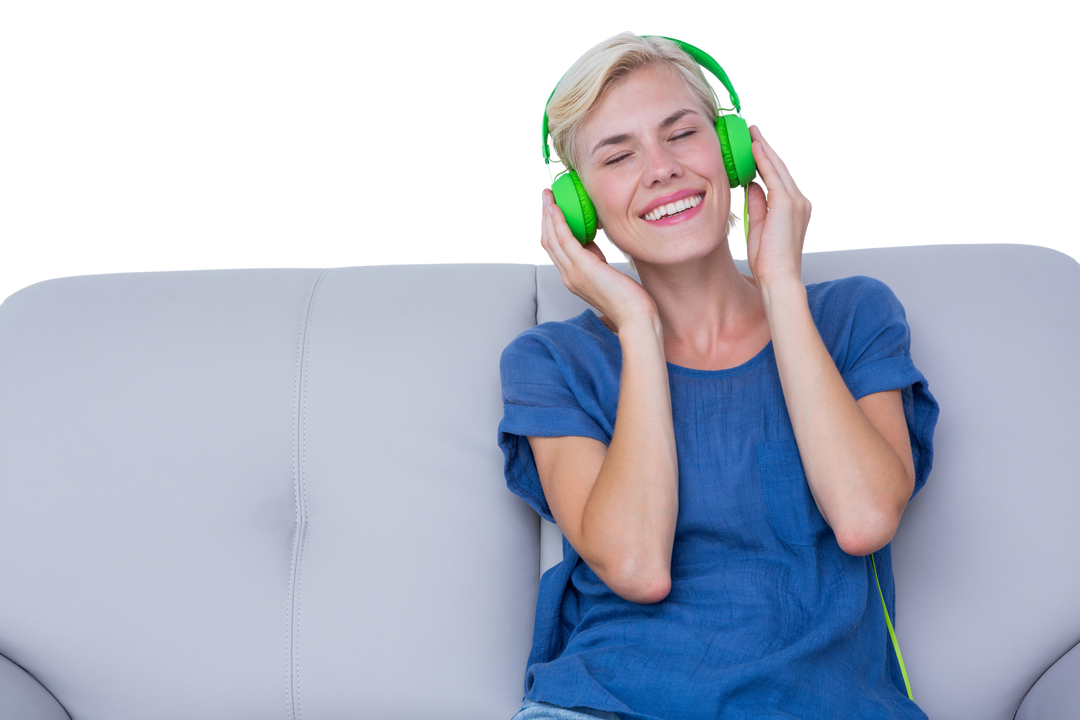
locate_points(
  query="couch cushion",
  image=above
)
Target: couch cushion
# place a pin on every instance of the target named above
(1056, 696)
(24, 698)
(146, 462)
(419, 568)
(264, 493)
(164, 436)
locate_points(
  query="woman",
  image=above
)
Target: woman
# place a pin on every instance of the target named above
(767, 438)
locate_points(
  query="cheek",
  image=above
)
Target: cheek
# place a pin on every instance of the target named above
(610, 198)
(718, 171)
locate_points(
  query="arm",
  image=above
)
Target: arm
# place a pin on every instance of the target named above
(631, 513)
(856, 454)
(617, 505)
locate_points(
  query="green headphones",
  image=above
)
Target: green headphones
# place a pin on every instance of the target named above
(735, 144)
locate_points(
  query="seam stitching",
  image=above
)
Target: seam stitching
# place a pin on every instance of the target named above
(292, 619)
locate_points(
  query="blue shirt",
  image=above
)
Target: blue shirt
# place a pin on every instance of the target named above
(767, 617)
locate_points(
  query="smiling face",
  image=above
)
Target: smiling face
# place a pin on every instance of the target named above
(651, 163)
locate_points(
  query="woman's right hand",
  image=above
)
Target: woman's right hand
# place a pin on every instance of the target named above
(586, 272)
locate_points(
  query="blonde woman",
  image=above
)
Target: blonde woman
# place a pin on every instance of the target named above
(722, 453)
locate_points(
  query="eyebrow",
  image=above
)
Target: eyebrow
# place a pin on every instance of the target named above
(666, 123)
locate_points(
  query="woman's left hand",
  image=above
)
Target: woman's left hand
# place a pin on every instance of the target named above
(777, 222)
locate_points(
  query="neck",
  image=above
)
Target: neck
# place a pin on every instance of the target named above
(706, 307)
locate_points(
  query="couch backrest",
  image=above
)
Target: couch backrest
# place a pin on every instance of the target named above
(276, 493)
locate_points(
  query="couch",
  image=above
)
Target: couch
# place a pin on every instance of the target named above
(277, 493)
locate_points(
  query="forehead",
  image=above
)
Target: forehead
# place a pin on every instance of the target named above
(638, 103)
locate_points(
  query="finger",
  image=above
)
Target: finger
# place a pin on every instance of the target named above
(545, 229)
(778, 191)
(781, 188)
(777, 163)
(541, 226)
(758, 210)
(540, 222)
(567, 252)
(758, 134)
(794, 199)
(548, 228)
(560, 237)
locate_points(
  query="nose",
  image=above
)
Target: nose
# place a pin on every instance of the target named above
(661, 167)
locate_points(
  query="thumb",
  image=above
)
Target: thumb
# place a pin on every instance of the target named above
(595, 250)
(596, 246)
(756, 204)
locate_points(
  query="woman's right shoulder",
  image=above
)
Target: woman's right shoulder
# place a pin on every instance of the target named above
(580, 336)
(580, 352)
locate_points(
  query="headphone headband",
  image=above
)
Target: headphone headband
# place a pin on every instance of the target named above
(701, 57)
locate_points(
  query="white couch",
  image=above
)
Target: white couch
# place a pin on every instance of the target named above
(277, 493)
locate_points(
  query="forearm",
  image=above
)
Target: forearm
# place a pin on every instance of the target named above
(860, 484)
(628, 524)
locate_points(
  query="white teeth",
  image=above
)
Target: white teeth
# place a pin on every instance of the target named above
(672, 208)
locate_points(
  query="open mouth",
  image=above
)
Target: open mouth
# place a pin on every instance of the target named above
(674, 208)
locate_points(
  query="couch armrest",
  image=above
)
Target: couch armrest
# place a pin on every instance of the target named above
(1056, 695)
(21, 696)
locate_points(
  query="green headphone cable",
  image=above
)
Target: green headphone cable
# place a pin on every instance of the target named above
(892, 633)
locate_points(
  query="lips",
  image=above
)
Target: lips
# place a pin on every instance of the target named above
(677, 217)
(671, 199)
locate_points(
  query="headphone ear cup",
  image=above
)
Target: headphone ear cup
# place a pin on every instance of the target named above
(735, 145)
(576, 206)
(725, 150)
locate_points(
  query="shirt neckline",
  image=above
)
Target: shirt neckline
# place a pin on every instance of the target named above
(679, 369)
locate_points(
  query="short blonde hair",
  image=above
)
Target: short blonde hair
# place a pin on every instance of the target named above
(590, 78)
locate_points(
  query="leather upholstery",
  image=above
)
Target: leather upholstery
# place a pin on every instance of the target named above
(277, 493)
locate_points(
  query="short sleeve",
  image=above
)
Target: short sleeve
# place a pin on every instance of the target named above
(542, 392)
(877, 357)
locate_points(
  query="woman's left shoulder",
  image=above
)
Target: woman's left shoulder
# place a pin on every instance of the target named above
(848, 290)
(851, 286)
(855, 314)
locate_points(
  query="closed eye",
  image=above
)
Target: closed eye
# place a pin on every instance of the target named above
(677, 137)
(682, 135)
